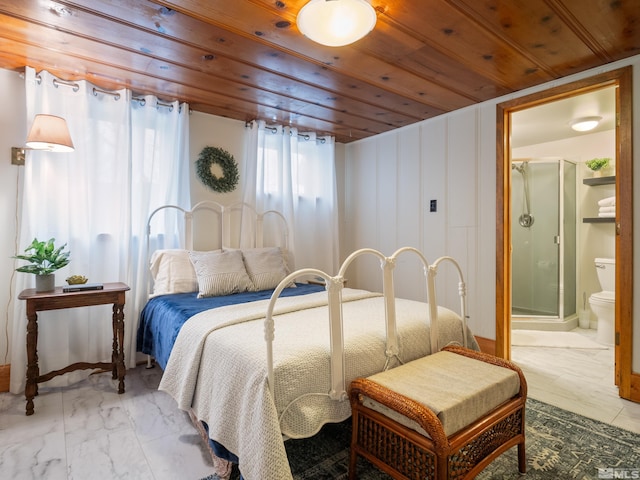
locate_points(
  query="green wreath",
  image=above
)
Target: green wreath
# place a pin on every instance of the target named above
(214, 155)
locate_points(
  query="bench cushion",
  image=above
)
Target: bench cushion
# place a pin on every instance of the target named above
(458, 389)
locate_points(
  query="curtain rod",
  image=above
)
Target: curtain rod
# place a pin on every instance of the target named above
(142, 101)
(304, 136)
(96, 90)
(57, 82)
(75, 86)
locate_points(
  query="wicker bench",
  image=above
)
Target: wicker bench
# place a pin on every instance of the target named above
(444, 416)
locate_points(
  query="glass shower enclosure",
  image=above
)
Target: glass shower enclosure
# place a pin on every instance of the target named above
(543, 235)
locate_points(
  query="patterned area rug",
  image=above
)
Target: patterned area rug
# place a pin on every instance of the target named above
(560, 444)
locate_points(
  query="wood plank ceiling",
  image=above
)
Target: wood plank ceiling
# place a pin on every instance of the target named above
(246, 59)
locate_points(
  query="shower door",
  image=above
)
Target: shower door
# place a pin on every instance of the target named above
(536, 207)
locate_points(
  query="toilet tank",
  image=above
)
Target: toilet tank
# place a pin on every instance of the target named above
(606, 270)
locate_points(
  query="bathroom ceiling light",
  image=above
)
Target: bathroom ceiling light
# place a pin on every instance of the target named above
(584, 124)
(336, 23)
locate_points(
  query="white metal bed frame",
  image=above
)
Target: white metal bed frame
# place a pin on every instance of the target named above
(223, 214)
(334, 286)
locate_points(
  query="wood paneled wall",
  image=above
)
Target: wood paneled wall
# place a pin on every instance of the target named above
(391, 178)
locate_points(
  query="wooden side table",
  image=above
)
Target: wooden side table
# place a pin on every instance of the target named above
(57, 299)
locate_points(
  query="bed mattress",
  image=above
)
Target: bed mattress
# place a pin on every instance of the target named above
(163, 316)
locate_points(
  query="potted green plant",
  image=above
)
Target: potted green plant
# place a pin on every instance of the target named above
(44, 259)
(597, 165)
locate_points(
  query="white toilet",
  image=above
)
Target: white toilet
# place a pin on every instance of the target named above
(603, 303)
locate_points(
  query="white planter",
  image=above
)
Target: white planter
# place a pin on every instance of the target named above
(46, 283)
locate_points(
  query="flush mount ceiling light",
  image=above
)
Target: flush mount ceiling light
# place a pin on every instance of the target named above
(336, 23)
(584, 124)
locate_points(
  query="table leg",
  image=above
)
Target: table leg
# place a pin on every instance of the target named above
(33, 371)
(117, 357)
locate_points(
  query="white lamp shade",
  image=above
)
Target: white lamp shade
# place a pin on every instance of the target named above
(49, 132)
(336, 23)
(584, 124)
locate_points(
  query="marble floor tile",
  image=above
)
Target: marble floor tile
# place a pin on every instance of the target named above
(108, 456)
(92, 408)
(87, 430)
(579, 380)
(178, 455)
(42, 456)
(15, 426)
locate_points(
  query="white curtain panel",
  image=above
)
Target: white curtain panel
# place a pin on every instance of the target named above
(130, 157)
(294, 173)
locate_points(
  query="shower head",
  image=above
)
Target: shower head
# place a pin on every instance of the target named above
(520, 168)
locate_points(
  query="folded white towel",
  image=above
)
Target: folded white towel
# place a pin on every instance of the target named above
(607, 214)
(607, 202)
(607, 209)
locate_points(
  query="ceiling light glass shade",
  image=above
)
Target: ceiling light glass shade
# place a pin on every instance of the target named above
(336, 23)
(49, 132)
(584, 124)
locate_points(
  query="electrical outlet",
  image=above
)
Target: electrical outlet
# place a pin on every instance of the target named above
(433, 206)
(17, 156)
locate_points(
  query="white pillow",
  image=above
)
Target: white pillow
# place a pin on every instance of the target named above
(266, 267)
(172, 272)
(220, 273)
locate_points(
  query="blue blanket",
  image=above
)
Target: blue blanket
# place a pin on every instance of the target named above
(163, 316)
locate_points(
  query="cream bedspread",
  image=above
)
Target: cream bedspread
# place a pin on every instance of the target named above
(218, 368)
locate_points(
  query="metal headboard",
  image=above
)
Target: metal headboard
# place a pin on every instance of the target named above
(224, 225)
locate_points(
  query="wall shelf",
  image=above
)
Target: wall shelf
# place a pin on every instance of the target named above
(593, 181)
(598, 220)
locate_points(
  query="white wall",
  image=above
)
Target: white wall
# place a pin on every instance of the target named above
(391, 179)
(454, 156)
(13, 131)
(213, 131)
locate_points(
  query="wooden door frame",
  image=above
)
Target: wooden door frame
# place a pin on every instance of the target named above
(628, 383)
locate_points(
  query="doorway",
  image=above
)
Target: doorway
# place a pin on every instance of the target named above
(621, 79)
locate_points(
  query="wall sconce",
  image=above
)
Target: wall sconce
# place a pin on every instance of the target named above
(336, 23)
(584, 124)
(48, 132)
